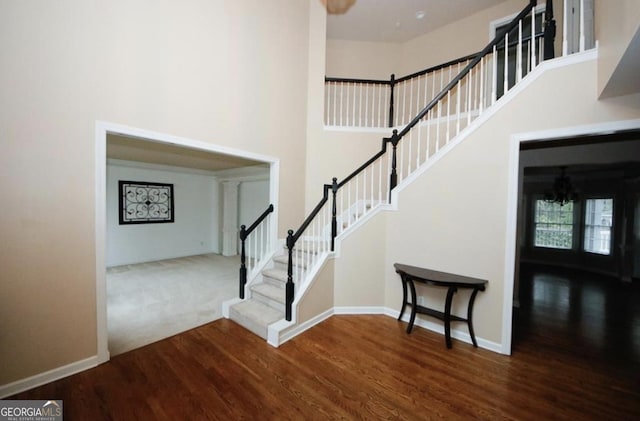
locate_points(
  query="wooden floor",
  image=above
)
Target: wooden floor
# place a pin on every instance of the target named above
(364, 367)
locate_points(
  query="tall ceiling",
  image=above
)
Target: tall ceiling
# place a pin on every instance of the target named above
(395, 20)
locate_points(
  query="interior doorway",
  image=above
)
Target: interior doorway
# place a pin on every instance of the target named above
(602, 162)
(161, 152)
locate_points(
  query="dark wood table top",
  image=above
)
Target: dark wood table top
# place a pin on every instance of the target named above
(435, 277)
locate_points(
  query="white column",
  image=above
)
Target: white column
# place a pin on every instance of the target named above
(230, 218)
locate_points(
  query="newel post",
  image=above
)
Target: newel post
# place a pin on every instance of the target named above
(243, 266)
(392, 84)
(334, 211)
(393, 177)
(289, 286)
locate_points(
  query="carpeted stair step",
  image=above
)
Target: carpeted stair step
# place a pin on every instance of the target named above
(270, 295)
(282, 261)
(276, 277)
(255, 316)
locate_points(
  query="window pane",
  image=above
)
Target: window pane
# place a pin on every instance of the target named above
(597, 225)
(553, 225)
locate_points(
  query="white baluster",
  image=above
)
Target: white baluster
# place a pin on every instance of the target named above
(341, 100)
(380, 179)
(327, 102)
(335, 104)
(366, 107)
(519, 53)
(470, 91)
(458, 104)
(480, 97)
(410, 100)
(533, 39)
(357, 196)
(401, 115)
(354, 103)
(565, 26)
(506, 64)
(494, 94)
(582, 27)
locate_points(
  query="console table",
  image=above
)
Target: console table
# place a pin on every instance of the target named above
(411, 274)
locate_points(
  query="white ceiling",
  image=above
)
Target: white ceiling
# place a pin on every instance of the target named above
(395, 20)
(140, 150)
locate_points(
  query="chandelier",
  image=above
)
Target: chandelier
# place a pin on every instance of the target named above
(337, 7)
(562, 192)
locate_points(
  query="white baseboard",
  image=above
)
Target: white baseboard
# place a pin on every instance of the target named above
(278, 338)
(359, 310)
(439, 328)
(47, 377)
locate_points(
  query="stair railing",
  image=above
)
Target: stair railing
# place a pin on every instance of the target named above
(372, 103)
(383, 103)
(460, 101)
(258, 245)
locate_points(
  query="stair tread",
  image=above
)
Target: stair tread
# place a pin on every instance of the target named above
(278, 274)
(258, 312)
(284, 259)
(272, 292)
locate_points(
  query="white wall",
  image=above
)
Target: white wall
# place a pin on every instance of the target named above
(207, 71)
(195, 229)
(253, 200)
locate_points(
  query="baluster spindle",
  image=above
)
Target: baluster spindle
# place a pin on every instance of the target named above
(505, 88)
(366, 107)
(533, 38)
(494, 93)
(519, 53)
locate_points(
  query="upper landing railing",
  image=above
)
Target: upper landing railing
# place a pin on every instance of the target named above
(392, 103)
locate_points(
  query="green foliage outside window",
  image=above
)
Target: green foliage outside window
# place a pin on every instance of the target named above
(553, 225)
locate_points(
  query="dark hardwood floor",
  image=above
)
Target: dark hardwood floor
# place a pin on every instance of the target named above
(589, 316)
(564, 366)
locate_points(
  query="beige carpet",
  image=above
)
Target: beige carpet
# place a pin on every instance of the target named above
(147, 302)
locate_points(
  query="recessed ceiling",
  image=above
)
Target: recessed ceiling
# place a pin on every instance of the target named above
(140, 150)
(395, 20)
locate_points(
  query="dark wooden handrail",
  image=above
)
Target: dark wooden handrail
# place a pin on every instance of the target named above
(355, 80)
(244, 233)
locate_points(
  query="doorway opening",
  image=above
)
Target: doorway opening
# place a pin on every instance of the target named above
(575, 261)
(157, 279)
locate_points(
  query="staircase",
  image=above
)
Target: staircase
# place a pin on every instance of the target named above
(277, 282)
(267, 302)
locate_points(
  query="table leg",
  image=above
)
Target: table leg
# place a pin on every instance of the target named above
(447, 315)
(412, 287)
(469, 318)
(404, 296)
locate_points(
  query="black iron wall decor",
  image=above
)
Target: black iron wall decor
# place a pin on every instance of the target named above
(145, 203)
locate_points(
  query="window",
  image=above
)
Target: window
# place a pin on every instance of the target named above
(553, 225)
(597, 225)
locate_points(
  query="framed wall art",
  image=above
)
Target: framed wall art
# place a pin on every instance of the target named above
(143, 202)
